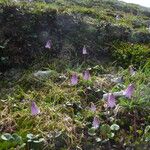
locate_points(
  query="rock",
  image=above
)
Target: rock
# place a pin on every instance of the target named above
(117, 80)
(113, 78)
(116, 94)
(42, 74)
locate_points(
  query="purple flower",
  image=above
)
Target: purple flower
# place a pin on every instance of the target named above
(96, 122)
(34, 109)
(129, 91)
(84, 51)
(74, 79)
(117, 17)
(111, 102)
(93, 107)
(132, 71)
(48, 44)
(86, 75)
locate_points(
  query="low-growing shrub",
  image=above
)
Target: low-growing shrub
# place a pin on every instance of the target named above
(128, 53)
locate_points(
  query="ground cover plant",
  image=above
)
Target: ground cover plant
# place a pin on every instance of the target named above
(79, 97)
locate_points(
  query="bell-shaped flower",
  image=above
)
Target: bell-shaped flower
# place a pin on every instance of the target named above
(111, 101)
(86, 75)
(48, 44)
(34, 109)
(132, 71)
(84, 51)
(93, 107)
(96, 122)
(117, 17)
(74, 79)
(129, 91)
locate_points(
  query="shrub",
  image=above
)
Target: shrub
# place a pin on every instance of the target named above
(128, 53)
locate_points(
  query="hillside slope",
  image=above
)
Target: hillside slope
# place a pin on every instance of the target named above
(74, 75)
(25, 28)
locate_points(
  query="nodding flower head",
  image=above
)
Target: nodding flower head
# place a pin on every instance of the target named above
(84, 51)
(74, 79)
(111, 101)
(86, 75)
(48, 44)
(129, 91)
(96, 122)
(132, 70)
(34, 109)
(93, 107)
(117, 17)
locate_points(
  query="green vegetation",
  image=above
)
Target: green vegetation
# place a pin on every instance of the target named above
(129, 53)
(101, 10)
(65, 121)
(64, 110)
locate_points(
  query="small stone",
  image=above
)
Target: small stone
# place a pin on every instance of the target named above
(42, 74)
(116, 94)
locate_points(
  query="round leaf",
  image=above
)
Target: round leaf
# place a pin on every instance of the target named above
(30, 136)
(111, 135)
(16, 137)
(105, 128)
(6, 137)
(91, 131)
(114, 127)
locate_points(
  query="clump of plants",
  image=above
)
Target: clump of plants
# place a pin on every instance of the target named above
(130, 53)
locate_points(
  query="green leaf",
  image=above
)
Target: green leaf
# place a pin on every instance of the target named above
(7, 137)
(36, 136)
(106, 140)
(147, 138)
(105, 128)
(29, 140)
(16, 137)
(114, 127)
(147, 129)
(36, 141)
(23, 145)
(57, 134)
(30, 136)
(2, 46)
(41, 140)
(139, 132)
(98, 139)
(91, 131)
(111, 135)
